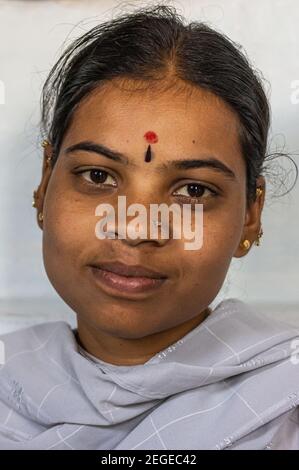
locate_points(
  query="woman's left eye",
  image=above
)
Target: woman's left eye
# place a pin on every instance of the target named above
(98, 177)
(194, 191)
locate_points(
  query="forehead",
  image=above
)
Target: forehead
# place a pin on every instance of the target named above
(187, 120)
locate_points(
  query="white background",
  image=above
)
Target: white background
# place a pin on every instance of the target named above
(31, 39)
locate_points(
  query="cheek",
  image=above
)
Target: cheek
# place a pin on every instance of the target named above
(221, 235)
(69, 228)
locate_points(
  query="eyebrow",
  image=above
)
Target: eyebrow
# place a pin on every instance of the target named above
(209, 162)
(100, 149)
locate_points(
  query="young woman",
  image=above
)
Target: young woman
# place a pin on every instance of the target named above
(161, 112)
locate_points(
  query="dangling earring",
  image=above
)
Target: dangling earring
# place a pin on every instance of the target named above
(44, 144)
(34, 196)
(40, 216)
(257, 241)
(259, 192)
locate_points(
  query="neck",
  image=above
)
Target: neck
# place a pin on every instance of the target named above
(123, 351)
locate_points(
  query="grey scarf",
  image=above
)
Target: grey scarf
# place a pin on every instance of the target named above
(230, 383)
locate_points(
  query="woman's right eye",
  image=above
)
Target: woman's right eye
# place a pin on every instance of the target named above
(98, 177)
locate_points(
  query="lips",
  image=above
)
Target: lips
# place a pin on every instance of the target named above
(126, 281)
(130, 270)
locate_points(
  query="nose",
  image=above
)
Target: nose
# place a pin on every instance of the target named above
(151, 224)
(142, 231)
(157, 233)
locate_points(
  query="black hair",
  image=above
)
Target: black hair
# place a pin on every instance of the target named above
(151, 44)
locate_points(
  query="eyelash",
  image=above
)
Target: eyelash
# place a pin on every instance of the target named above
(94, 185)
(191, 199)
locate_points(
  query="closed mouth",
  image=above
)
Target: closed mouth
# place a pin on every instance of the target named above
(136, 271)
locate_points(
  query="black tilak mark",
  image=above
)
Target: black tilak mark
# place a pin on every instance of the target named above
(148, 155)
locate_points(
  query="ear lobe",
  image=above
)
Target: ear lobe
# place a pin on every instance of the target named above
(241, 250)
(252, 223)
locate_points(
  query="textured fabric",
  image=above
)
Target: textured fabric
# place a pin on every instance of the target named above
(230, 383)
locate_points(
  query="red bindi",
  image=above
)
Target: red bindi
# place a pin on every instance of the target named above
(151, 137)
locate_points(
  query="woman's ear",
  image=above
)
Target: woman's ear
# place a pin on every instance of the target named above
(252, 223)
(42, 187)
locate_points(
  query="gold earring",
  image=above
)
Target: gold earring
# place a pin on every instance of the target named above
(44, 143)
(246, 244)
(34, 196)
(257, 241)
(40, 216)
(259, 191)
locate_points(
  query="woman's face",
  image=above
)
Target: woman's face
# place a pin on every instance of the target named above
(189, 127)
